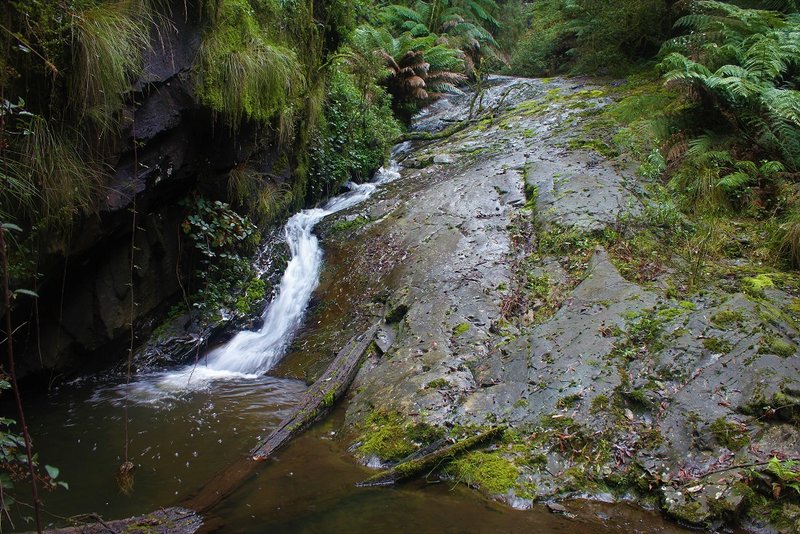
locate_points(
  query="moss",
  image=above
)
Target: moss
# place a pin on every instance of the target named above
(241, 72)
(726, 318)
(757, 284)
(717, 345)
(668, 314)
(461, 329)
(568, 401)
(391, 437)
(729, 435)
(490, 472)
(594, 144)
(637, 396)
(531, 195)
(439, 383)
(352, 224)
(385, 437)
(600, 404)
(692, 512)
(252, 297)
(424, 433)
(521, 403)
(777, 346)
(329, 399)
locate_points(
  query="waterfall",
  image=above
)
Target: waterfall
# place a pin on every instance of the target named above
(249, 354)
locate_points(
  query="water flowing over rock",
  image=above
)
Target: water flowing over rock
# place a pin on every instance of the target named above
(503, 278)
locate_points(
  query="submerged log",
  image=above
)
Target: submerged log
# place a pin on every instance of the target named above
(320, 397)
(173, 520)
(185, 518)
(316, 402)
(429, 462)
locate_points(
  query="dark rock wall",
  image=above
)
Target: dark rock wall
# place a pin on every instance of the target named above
(171, 146)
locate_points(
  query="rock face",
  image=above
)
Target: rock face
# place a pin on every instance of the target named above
(496, 262)
(171, 146)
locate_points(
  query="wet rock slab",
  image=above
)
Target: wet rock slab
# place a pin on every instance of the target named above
(616, 388)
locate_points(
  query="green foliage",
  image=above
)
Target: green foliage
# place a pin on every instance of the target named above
(262, 197)
(14, 463)
(222, 238)
(416, 68)
(108, 39)
(241, 73)
(355, 134)
(390, 437)
(488, 471)
(739, 148)
(787, 472)
(726, 318)
(65, 82)
(787, 235)
(589, 35)
(728, 434)
(467, 25)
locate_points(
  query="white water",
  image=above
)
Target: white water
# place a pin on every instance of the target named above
(251, 353)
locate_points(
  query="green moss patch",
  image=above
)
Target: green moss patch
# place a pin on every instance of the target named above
(730, 435)
(488, 471)
(777, 346)
(717, 345)
(757, 284)
(460, 329)
(726, 318)
(391, 437)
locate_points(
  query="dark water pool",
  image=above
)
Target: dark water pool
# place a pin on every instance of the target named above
(180, 440)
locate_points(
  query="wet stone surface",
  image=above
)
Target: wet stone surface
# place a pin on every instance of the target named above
(610, 388)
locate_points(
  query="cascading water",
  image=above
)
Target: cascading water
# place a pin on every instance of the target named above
(251, 353)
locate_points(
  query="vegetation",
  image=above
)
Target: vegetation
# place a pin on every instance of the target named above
(589, 35)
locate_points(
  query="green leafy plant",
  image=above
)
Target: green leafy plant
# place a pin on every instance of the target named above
(416, 68)
(589, 35)
(467, 25)
(787, 472)
(222, 238)
(355, 135)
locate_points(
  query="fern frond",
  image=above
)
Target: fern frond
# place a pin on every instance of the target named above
(736, 181)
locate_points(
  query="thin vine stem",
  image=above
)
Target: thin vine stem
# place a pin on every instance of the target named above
(13, 374)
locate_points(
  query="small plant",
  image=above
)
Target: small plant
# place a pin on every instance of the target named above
(778, 346)
(717, 345)
(439, 383)
(787, 472)
(488, 471)
(461, 329)
(221, 237)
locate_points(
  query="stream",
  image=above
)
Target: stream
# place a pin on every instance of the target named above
(187, 423)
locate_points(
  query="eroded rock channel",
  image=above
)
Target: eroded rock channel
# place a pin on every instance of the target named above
(501, 265)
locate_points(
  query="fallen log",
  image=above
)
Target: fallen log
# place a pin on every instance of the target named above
(316, 402)
(320, 397)
(429, 462)
(173, 520)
